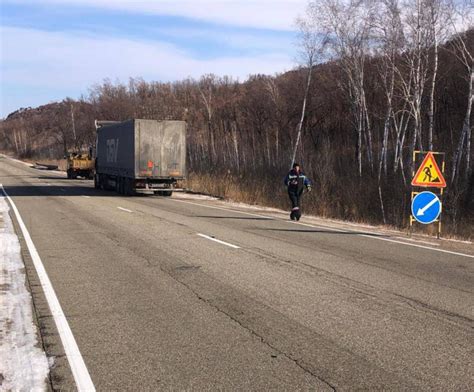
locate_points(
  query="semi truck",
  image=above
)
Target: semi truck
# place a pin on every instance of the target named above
(140, 156)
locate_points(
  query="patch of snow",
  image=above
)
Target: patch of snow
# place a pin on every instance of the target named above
(255, 207)
(192, 196)
(56, 173)
(23, 365)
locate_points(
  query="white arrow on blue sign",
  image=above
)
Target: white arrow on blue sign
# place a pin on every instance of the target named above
(426, 207)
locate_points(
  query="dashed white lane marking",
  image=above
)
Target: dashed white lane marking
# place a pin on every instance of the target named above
(219, 241)
(74, 357)
(124, 209)
(374, 236)
(87, 197)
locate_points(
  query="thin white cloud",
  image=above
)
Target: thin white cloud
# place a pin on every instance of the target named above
(233, 40)
(75, 61)
(266, 14)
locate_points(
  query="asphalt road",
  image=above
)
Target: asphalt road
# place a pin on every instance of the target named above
(156, 304)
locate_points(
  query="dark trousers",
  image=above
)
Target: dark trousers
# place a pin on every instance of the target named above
(295, 197)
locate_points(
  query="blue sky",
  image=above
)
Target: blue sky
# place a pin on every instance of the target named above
(51, 49)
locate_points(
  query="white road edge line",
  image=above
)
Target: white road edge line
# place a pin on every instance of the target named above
(374, 237)
(74, 357)
(219, 241)
(420, 241)
(419, 246)
(225, 209)
(124, 209)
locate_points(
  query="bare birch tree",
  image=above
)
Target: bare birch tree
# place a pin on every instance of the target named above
(438, 15)
(206, 87)
(462, 22)
(312, 44)
(389, 34)
(348, 25)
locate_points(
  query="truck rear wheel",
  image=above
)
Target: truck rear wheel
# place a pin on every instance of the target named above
(117, 184)
(71, 174)
(121, 185)
(127, 187)
(102, 182)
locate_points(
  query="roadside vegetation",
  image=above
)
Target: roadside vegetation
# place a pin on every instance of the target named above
(377, 80)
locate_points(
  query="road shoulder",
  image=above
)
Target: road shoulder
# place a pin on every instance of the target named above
(60, 376)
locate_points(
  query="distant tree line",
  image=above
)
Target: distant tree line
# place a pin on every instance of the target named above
(378, 80)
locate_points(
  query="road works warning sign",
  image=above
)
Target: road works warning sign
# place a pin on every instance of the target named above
(429, 174)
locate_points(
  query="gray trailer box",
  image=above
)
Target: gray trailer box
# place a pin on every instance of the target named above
(151, 153)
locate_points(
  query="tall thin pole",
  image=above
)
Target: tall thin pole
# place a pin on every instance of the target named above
(303, 111)
(73, 126)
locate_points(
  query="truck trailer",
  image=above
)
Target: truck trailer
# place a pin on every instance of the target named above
(140, 156)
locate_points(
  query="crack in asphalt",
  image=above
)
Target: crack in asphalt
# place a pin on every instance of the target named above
(383, 295)
(261, 338)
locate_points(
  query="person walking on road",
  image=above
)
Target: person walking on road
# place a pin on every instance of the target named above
(296, 181)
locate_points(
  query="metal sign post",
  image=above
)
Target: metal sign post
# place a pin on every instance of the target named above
(426, 206)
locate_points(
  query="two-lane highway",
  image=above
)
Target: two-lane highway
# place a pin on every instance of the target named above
(185, 293)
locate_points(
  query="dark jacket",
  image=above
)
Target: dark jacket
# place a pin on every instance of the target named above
(296, 182)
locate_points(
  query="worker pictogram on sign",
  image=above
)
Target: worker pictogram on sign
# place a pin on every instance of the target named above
(429, 174)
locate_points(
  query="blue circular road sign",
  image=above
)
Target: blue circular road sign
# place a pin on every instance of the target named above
(426, 207)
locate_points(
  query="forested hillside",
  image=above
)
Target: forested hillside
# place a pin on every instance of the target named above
(371, 99)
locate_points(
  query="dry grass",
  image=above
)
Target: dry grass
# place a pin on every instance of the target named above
(352, 205)
(237, 188)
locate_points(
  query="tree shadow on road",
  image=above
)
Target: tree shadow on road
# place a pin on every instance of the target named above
(327, 232)
(233, 217)
(54, 190)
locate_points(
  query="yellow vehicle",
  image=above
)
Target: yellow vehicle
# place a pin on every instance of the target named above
(80, 165)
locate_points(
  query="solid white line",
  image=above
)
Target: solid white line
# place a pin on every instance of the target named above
(420, 241)
(418, 246)
(374, 237)
(317, 227)
(76, 362)
(219, 241)
(225, 209)
(124, 209)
